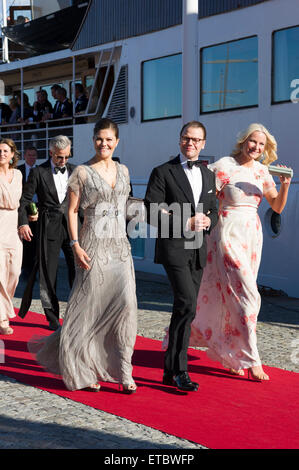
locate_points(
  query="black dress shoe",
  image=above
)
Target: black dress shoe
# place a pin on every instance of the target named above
(54, 325)
(168, 378)
(183, 382)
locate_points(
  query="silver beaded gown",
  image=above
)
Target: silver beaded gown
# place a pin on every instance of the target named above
(98, 334)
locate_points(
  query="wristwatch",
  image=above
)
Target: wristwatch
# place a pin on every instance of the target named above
(72, 242)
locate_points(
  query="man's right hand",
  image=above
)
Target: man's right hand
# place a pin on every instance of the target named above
(199, 222)
(33, 218)
(25, 232)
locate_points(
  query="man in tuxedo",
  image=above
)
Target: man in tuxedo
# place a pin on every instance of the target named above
(29, 248)
(49, 182)
(181, 202)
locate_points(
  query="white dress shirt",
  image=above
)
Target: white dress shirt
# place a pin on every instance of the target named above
(60, 180)
(195, 178)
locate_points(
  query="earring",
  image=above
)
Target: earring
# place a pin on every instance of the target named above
(11, 161)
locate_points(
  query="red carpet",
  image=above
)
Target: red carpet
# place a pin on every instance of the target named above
(227, 412)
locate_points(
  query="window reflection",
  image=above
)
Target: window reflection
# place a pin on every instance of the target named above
(285, 62)
(162, 87)
(229, 75)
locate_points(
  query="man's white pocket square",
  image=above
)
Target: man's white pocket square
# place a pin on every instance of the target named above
(211, 190)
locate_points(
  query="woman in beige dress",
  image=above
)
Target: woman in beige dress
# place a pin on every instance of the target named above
(228, 301)
(11, 248)
(98, 334)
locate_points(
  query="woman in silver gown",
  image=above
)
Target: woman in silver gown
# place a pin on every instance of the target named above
(97, 338)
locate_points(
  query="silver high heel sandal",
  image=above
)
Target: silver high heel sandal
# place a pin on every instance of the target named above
(128, 388)
(5, 329)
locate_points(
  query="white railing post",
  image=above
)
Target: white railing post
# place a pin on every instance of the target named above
(5, 57)
(190, 62)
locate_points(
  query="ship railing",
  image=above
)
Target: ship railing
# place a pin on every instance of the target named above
(38, 135)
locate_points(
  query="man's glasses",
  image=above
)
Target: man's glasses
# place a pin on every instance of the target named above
(194, 140)
(61, 158)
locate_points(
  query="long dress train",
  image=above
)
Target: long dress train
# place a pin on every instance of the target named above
(97, 339)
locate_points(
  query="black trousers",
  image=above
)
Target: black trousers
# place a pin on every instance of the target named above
(185, 282)
(53, 252)
(30, 250)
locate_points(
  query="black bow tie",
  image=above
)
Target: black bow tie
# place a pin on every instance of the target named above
(58, 168)
(191, 163)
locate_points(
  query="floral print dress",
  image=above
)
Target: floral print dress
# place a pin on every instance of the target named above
(229, 301)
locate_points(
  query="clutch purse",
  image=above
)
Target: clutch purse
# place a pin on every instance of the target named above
(135, 209)
(280, 171)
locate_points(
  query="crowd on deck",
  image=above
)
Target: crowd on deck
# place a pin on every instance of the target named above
(42, 110)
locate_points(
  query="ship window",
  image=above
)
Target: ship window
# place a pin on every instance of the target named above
(272, 223)
(162, 88)
(285, 67)
(229, 75)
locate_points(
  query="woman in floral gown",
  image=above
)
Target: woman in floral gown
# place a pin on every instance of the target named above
(229, 301)
(98, 334)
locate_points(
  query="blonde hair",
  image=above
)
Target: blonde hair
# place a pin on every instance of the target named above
(269, 154)
(13, 148)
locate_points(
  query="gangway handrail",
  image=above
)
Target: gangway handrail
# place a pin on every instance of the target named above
(41, 135)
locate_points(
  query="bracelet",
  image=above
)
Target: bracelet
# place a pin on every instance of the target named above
(72, 242)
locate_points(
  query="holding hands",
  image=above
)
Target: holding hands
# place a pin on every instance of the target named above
(199, 222)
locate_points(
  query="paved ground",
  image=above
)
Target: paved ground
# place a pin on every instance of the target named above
(35, 419)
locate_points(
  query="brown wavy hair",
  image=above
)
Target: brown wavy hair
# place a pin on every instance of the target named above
(14, 149)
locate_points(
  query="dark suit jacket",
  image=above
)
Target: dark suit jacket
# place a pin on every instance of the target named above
(65, 108)
(81, 103)
(22, 169)
(169, 184)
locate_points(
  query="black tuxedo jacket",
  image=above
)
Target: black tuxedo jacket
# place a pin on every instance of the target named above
(52, 224)
(41, 182)
(169, 184)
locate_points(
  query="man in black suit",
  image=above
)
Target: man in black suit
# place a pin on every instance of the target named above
(181, 201)
(54, 89)
(80, 98)
(64, 108)
(29, 248)
(49, 182)
(81, 102)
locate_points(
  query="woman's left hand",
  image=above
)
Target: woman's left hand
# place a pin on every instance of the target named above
(81, 257)
(284, 179)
